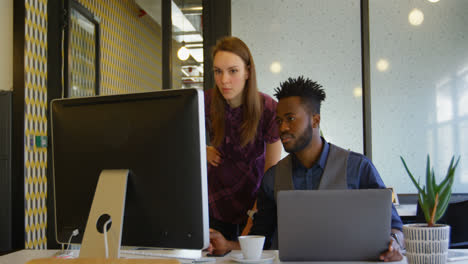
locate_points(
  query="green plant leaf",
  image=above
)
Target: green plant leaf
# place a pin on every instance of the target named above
(446, 188)
(450, 168)
(444, 200)
(434, 184)
(443, 185)
(423, 203)
(411, 176)
(448, 178)
(446, 183)
(430, 183)
(427, 194)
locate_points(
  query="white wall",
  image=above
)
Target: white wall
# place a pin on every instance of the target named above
(6, 45)
(420, 103)
(319, 39)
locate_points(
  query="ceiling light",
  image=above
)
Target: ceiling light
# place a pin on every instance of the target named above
(275, 67)
(416, 17)
(382, 65)
(194, 8)
(433, 1)
(183, 53)
(357, 92)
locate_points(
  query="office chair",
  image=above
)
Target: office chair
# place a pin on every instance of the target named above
(457, 217)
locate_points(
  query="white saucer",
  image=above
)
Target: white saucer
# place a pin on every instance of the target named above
(239, 257)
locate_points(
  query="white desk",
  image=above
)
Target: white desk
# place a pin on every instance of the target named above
(406, 209)
(23, 256)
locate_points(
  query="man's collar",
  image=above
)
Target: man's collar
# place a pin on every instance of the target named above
(322, 158)
(324, 155)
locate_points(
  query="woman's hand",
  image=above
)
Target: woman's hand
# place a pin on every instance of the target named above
(213, 156)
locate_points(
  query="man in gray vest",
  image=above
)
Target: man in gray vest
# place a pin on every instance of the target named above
(312, 164)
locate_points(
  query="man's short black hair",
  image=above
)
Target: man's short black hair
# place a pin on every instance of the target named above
(310, 92)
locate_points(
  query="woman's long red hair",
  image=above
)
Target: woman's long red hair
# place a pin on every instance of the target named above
(252, 105)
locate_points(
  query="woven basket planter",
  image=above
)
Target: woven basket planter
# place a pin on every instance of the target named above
(426, 245)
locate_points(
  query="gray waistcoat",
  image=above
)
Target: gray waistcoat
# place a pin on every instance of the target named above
(333, 177)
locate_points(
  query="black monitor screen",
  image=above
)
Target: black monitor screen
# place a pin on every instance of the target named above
(160, 138)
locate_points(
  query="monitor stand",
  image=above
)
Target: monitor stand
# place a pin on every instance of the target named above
(108, 201)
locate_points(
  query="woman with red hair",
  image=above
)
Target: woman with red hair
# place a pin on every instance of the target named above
(244, 139)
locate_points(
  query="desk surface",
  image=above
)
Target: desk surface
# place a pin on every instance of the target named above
(23, 256)
(407, 209)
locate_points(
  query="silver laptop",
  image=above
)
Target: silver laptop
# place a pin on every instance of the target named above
(333, 225)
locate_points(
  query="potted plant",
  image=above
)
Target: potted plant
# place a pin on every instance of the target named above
(428, 243)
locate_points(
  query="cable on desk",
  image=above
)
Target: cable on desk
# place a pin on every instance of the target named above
(105, 237)
(73, 234)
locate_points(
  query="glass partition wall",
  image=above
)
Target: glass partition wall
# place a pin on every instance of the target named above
(418, 77)
(187, 46)
(319, 39)
(187, 39)
(419, 82)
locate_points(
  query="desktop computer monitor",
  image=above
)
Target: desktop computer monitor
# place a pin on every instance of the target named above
(158, 136)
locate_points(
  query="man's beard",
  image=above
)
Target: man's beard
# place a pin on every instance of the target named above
(302, 141)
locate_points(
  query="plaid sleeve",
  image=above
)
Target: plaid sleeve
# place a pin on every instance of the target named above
(270, 128)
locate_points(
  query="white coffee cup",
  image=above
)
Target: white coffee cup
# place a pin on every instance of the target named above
(252, 246)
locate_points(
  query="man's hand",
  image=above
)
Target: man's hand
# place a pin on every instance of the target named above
(219, 245)
(393, 253)
(213, 156)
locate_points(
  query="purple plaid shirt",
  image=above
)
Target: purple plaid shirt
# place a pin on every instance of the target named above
(233, 185)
